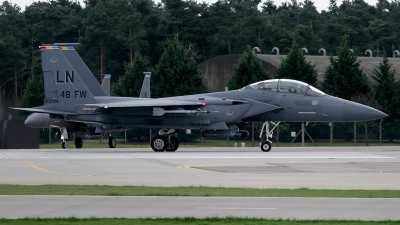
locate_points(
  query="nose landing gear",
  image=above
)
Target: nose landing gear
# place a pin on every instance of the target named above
(266, 145)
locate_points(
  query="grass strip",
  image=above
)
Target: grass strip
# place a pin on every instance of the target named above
(188, 220)
(106, 190)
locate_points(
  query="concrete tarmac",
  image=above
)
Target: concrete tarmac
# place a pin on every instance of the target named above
(283, 167)
(14, 207)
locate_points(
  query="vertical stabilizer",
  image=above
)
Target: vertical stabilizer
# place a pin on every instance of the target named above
(80, 67)
(106, 85)
(145, 92)
(63, 84)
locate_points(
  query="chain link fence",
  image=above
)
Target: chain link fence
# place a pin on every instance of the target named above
(373, 132)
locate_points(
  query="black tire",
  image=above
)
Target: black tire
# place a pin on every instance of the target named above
(159, 143)
(172, 144)
(112, 142)
(266, 146)
(78, 142)
(64, 145)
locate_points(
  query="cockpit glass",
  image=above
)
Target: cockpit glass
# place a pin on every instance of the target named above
(292, 86)
(287, 86)
(312, 91)
(268, 85)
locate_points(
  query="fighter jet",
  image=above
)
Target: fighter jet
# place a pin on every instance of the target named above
(219, 114)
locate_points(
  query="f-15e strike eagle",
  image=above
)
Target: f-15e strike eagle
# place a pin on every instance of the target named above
(75, 99)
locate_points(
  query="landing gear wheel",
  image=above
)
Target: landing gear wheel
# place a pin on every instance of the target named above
(159, 143)
(172, 144)
(266, 146)
(112, 142)
(64, 144)
(78, 142)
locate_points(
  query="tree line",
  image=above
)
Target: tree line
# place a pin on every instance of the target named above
(127, 37)
(113, 32)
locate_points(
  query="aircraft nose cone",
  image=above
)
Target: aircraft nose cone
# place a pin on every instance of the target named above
(37, 120)
(356, 112)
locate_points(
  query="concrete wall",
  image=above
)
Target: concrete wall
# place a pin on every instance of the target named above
(15, 135)
(13, 132)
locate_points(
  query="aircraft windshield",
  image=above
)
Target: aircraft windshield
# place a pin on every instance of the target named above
(287, 86)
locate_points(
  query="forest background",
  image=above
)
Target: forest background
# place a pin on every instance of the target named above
(113, 33)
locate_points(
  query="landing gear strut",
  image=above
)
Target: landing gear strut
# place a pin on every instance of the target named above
(165, 141)
(266, 145)
(64, 135)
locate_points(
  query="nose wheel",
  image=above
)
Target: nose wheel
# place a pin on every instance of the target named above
(266, 146)
(64, 144)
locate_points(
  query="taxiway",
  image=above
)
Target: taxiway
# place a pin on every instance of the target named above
(294, 167)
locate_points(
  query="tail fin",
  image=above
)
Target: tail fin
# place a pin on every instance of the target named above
(145, 92)
(106, 85)
(62, 82)
(80, 67)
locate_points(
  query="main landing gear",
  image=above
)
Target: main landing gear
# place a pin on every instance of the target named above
(266, 145)
(112, 142)
(165, 141)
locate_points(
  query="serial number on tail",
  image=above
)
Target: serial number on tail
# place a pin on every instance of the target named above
(74, 94)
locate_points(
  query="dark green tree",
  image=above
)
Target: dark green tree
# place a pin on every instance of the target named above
(130, 84)
(130, 29)
(176, 73)
(296, 67)
(248, 70)
(387, 88)
(382, 34)
(99, 24)
(343, 77)
(12, 62)
(34, 90)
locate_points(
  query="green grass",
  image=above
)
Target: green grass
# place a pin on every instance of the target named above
(188, 220)
(106, 190)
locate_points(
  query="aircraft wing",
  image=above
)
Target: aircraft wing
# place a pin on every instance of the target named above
(50, 111)
(147, 103)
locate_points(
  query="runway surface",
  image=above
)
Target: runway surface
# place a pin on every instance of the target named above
(294, 167)
(283, 167)
(143, 207)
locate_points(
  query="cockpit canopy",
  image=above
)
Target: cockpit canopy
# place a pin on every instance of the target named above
(287, 86)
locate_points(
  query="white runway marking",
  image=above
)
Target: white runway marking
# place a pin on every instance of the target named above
(235, 208)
